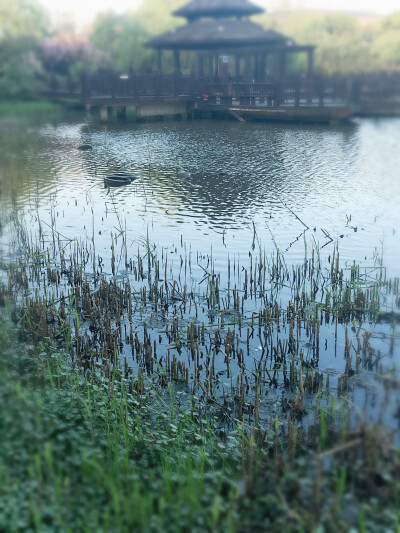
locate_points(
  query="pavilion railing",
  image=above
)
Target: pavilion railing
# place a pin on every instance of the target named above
(294, 90)
(136, 85)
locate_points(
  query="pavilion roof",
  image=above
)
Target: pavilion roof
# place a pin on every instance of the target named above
(218, 8)
(218, 34)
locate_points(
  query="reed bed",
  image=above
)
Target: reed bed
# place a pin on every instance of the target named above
(235, 354)
(235, 346)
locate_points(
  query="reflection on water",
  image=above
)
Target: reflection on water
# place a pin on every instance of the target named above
(268, 178)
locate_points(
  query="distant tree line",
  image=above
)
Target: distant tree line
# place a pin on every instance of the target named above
(34, 55)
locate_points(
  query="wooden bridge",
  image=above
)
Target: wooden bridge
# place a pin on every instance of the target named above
(297, 98)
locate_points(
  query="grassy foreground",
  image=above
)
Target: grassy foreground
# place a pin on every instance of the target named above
(21, 107)
(84, 454)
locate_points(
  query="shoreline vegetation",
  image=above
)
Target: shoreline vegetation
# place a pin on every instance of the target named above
(10, 108)
(90, 441)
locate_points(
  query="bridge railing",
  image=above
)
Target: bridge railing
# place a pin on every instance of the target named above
(377, 86)
(363, 91)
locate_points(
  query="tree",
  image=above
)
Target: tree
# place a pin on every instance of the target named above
(121, 38)
(157, 15)
(22, 24)
(386, 45)
(22, 18)
(65, 57)
(343, 41)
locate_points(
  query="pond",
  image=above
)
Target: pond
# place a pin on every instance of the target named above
(277, 179)
(211, 202)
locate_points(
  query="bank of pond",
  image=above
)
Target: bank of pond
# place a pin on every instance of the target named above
(155, 400)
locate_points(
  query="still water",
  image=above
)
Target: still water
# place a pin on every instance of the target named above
(282, 183)
(246, 188)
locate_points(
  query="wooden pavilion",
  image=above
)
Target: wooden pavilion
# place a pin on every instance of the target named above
(228, 45)
(236, 67)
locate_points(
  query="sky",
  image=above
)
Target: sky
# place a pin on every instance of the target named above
(85, 11)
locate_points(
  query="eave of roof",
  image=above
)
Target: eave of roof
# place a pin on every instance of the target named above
(213, 34)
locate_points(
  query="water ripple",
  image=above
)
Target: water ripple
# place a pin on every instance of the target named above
(280, 178)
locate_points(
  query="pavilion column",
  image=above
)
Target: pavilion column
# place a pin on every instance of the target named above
(216, 66)
(201, 66)
(261, 77)
(279, 76)
(256, 66)
(225, 69)
(283, 74)
(269, 65)
(280, 61)
(263, 64)
(177, 62)
(177, 71)
(210, 67)
(310, 75)
(237, 67)
(159, 60)
(247, 68)
(283, 65)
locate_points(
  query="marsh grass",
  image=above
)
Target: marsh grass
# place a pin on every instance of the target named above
(94, 440)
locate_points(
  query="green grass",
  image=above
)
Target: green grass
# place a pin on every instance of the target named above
(22, 107)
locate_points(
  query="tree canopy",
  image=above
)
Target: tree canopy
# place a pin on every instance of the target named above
(22, 24)
(345, 43)
(122, 39)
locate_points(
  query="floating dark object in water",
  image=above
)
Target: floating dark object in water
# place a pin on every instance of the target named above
(85, 147)
(118, 179)
(183, 174)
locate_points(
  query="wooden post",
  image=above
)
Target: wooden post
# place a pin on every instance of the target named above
(283, 64)
(216, 66)
(105, 113)
(113, 86)
(225, 69)
(121, 113)
(177, 62)
(321, 91)
(177, 70)
(237, 68)
(297, 92)
(247, 68)
(280, 60)
(159, 60)
(256, 67)
(310, 75)
(263, 67)
(201, 66)
(210, 68)
(157, 80)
